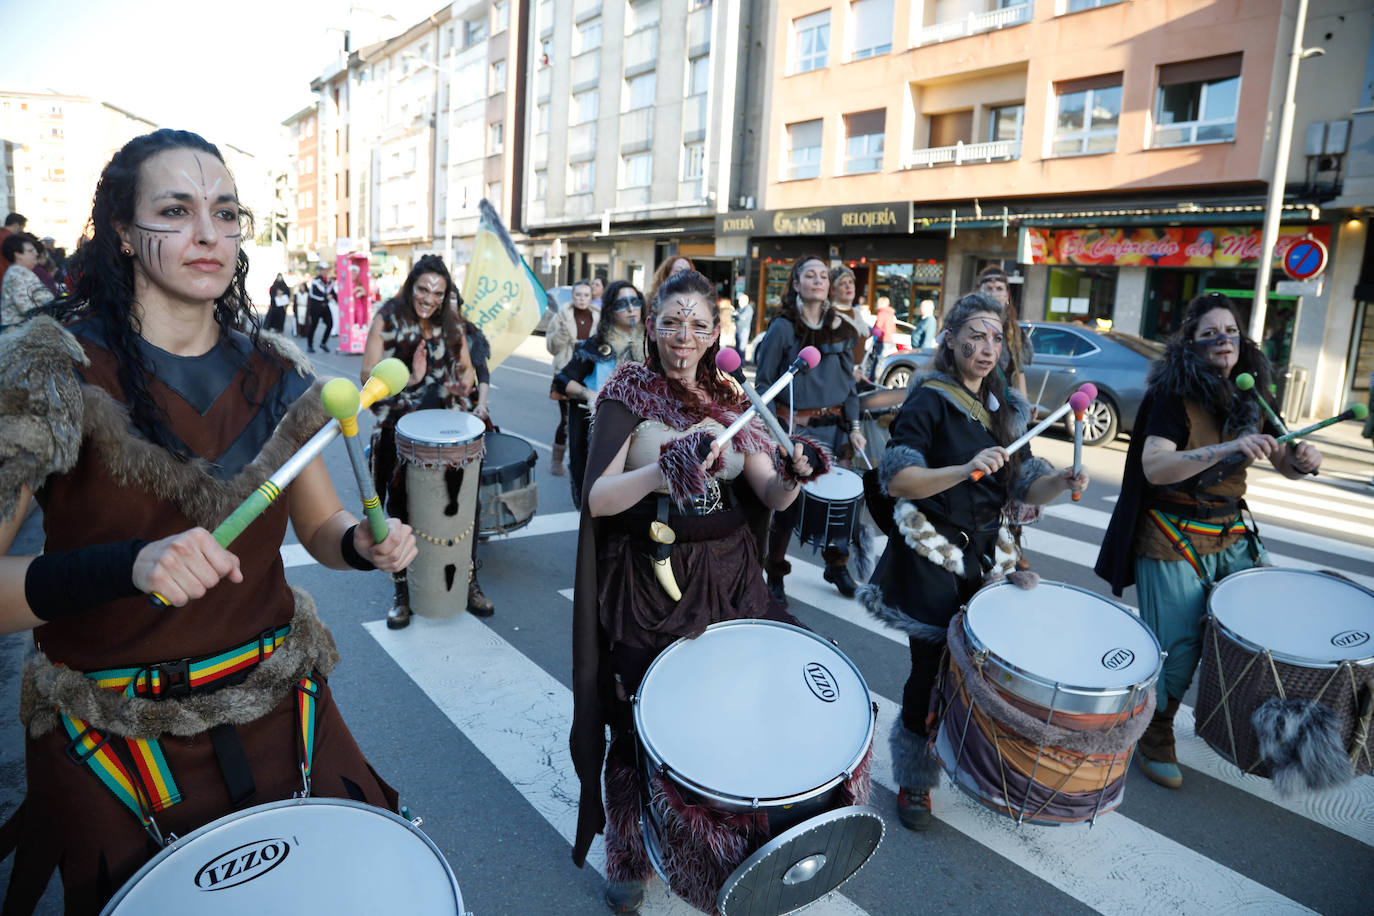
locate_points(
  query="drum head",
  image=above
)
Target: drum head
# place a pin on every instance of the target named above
(754, 709)
(300, 856)
(801, 865)
(1303, 617)
(1064, 635)
(439, 427)
(836, 485)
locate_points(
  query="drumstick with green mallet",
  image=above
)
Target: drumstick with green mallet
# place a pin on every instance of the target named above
(388, 378)
(1246, 382)
(1353, 412)
(342, 401)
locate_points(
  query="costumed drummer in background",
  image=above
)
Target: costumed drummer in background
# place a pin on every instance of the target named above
(615, 342)
(1177, 528)
(442, 377)
(948, 535)
(144, 422)
(644, 467)
(824, 400)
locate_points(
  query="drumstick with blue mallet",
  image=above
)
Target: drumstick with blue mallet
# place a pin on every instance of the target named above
(1040, 427)
(389, 377)
(1079, 402)
(342, 402)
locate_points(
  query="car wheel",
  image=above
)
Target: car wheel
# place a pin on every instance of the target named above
(1100, 422)
(899, 377)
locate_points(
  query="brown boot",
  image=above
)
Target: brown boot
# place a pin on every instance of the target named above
(556, 465)
(479, 605)
(399, 616)
(1155, 751)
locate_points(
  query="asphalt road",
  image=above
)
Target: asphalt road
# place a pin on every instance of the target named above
(469, 720)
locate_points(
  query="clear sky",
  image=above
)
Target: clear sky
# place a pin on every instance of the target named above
(231, 71)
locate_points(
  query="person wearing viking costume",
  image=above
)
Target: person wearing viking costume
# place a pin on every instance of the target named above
(1184, 486)
(948, 535)
(664, 550)
(442, 377)
(140, 424)
(824, 400)
(615, 342)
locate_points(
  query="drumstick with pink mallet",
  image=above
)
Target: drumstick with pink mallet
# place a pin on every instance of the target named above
(389, 377)
(1043, 425)
(808, 358)
(1079, 402)
(728, 361)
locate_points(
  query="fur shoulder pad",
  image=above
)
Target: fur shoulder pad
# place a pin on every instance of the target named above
(285, 349)
(41, 407)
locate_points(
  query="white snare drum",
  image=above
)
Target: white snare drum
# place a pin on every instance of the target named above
(313, 855)
(1063, 648)
(828, 513)
(438, 447)
(509, 495)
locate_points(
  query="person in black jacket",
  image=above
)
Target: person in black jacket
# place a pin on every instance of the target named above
(278, 297)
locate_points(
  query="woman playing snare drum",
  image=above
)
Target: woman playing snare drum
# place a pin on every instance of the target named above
(442, 377)
(1177, 527)
(143, 422)
(644, 469)
(949, 536)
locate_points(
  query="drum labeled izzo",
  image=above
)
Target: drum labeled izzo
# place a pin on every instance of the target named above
(439, 448)
(1044, 695)
(754, 743)
(829, 508)
(311, 855)
(1286, 685)
(509, 494)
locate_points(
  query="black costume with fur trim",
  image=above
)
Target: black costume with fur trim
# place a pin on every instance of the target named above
(942, 548)
(238, 412)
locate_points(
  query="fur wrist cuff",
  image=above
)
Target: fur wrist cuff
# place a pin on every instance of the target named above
(680, 461)
(816, 454)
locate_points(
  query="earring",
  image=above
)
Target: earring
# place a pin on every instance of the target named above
(126, 251)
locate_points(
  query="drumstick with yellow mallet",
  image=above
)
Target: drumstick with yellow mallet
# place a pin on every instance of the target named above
(389, 377)
(342, 401)
(1079, 402)
(1040, 427)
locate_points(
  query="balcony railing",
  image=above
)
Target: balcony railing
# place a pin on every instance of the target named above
(582, 139)
(641, 48)
(694, 116)
(699, 27)
(973, 24)
(586, 69)
(637, 128)
(962, 154)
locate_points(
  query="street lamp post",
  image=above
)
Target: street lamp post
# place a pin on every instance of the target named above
(448, 157)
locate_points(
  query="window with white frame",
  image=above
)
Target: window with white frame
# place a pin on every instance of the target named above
(1197, 100)
(500, 16)
(587, 36)
(541, 118)
(493, 193)
(810, 41)
(581, 177)
(698, 75)
(541, 184)
(1087, 115)
(584, 106)
(693, 161)
(1073, 6)
(496, 138)
(1004, 122)
(870, 28)
(639, 91)
(863, 141)
(642, 14)
(637, 170)
(804, 150)
(474, 31)
(496, 83)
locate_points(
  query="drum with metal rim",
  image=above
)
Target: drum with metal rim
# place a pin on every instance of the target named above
(311, 855)
(829, 507)
(509, 495)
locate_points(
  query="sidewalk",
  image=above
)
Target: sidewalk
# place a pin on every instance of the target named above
(1345, 453)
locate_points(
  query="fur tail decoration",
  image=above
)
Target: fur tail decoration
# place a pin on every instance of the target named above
(859, 786)
(1024, 578)
(703, 846)
(862, 555)
(626, 859)
(679, 460)
(913, 765)
(871, 597)
(1301, 741)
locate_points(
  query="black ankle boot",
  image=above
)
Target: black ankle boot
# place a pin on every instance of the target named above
(399, 616)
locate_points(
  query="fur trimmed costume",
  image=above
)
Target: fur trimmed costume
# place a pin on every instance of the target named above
(238, 412)
(942, 548)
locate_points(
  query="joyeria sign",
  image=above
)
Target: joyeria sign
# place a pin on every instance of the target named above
(866, 219)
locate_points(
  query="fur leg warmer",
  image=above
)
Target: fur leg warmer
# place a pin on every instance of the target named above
(913, 764)
(702, 845)
(871, 597)
(626, 859)
(1301, 742)
(680, 461)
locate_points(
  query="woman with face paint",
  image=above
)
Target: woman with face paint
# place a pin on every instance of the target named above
(825, 400)
(645, 468)
(617, 341)
(147, 419)
(948, 536)
(423, 327)
(842, 291)
(1184, 484)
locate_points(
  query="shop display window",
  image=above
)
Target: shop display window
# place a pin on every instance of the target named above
(1081, 294)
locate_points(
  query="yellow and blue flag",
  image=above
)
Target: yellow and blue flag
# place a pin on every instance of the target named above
(500, 294)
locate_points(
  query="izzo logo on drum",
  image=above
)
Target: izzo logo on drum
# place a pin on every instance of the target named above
(1117, 658)
(242, 864)
(1350, 638)
(822, 682)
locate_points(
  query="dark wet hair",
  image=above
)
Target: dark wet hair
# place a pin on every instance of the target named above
(608, 298)
(452, 320)
(1004, 420)
(1249, 357)
(715, 383)
(101, 279)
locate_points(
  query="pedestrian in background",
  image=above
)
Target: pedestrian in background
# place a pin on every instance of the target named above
(575, 322)
(320, 293)
(744, 324)
(674, 265)
(14, 223)
(21, 291)
(300, 307)
(923, 335)
(278, 296)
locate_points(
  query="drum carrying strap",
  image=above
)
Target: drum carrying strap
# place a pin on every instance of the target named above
(137, 776)
(307, 697)
(961, 396)
(1176, 531)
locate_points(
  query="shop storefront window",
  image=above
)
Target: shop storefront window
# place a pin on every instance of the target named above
(1081, 294)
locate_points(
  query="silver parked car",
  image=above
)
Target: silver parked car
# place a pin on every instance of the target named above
(1066, 356)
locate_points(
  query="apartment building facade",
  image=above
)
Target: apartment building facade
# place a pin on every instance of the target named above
(303, 142)
(1112, 155)
(639, 134)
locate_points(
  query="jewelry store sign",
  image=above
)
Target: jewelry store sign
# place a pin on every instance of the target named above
(861, 219)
